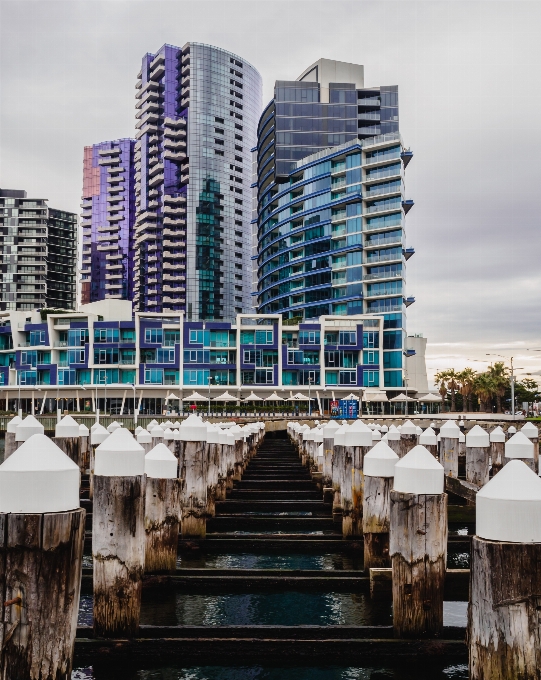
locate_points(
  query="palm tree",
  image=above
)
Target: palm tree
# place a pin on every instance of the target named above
(467, 380)
(483, 387)
(448, 382)
(499, 376)
(441, 380)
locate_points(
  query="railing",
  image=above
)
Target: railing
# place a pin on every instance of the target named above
(380, 275)
(382, 159)
(389, 240)
(383, 208)
(381, 191)
(383, 258)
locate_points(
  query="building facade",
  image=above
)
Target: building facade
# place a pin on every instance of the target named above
(197, 112)
(331, 204)
(162, 356)
(107, 256)
(38, 254)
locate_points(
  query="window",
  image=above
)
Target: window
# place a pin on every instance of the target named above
(263, 377)
(347, 338)
(392, 340)
(199, 337)
(392, 378)
(170, 377)
(66, 377)
(196, 356)
(105, 356)
(153, 376)
(165, 356)
(154, 336)
(347, 377)
(76, 356)
(127, 335)
(29, 358)
(370, 378)
(392, 359)
(106, 334)
(309, 377)
(77, 337)
(196, 377)
(370, 339)
(171, 338)
(309, 337)
(37, 338)
(370, 357)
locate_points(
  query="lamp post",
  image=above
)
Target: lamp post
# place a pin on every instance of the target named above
(135, 409)
(309, 397)
(19, 409)
(406, 355)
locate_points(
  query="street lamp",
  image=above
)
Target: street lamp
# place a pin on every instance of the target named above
(135, 409)
(309, 397)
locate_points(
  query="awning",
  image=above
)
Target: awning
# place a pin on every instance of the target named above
(402, 397)
(298, 397)
(195, 397)
(375, 395)
(274, 397)
(225, 397)
(430, 397)
(351, 397)
(253, 397)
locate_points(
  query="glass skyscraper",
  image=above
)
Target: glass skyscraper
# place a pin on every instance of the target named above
(197, 112)
(38, 254)
(331, 204)
(108, 215)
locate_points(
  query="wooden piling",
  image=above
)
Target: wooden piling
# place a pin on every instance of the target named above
(497, 449)
(358, 442)
(10, 444)
(477, 456)
(408, 438)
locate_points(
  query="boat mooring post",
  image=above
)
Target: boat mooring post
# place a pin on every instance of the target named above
(357, 443)
(477, 456)
(193, 434)
(408, 438)
(449, 446)
(66, 436)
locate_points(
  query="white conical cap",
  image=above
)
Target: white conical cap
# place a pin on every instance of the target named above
(38, 477)
(418, 430)
(98, 434)
(376, 436)
(419, 472)
(519, 446)
(462, 438)
(339, 435)
(384, 428)
(357, 434)
(385, 437)
(530, 430)
(120, 456)
(160, 463)
(477, 437)
(157, 432)
(152, 424)
(167, 424)
(193, 429)
(497, 435)
(168, 434)
(113, 426)
(380, 461)
(213, 434)
(28, 427)
(428, 437)
(13, 423)
(399, 428)
(508, 507)
(393, 434)
(237, 432)
(176, 424)
(511, 430)
(378, 427)
(176, 435)
(408, 428)
(144, 437)
(83, 430)
(329, 429)
(450, 430)
(138, 429)
(307, 435)
(318, 435)
(67, 427)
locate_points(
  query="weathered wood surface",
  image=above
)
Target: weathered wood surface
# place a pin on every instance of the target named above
(72, 448)
(10, 445)
(497, 452)
(433, 449)
(354, 525)
(162, 523)
(504, 615)
(418, 547)
(376, 521)
(192, 469)
(477, 465)
(395, 445)
(449, 455)
(406, 443)
(85, 454)
(461, 488)
(336, 475)
(41, 563)
(118, 549)
(346, 490)
(328, 445)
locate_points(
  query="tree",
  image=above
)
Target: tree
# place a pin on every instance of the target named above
(448, 382)
(499, 376)
(466, 378)
(483, 387)
(441, 381)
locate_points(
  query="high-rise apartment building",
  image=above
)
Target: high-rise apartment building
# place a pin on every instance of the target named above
(197, 112)
(107, 256)
(331, 204)
(38, 254)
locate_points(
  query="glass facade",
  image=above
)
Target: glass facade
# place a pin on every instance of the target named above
(38, 254)
(107, 239)
(331, 205)
(197, 111)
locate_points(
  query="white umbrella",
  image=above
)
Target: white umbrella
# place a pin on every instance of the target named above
(402, 397)
(298, 397)
(195, 397)
(430, 397)
(253, 397)
(225, 397)
(274, 397)
(374, 395)
(351, 397)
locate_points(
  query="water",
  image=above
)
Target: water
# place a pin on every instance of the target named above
(401, 670)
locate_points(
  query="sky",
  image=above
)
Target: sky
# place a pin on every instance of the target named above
(468, 77)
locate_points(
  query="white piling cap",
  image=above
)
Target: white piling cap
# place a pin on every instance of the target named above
(462, 438)
(307, 436)
(27, 428)
(508, 508)
(380, 461)
(511, 430)
(144, 437)
(318, 435)
(160, 463)
(519, 446)
(450, 430)
(408, 428)
(13, 423)
(376, 436)
(329, 429)
(497, 435)
(477, 437)
(339, 435)
(98, 434)
(152, 424)
(193, 429)
(83, 430)
(167, 424)
(157, 431)
(113, 426)
(385, 438)
(237, 432)
(428, 437)
(67, 427)
(384, 428)
(176, 424)
(168, 435)
(357, 434)
(419, 472)
(176, 435)
(530, 430)
(38, 477)
(419, 430)
(399, 429)
(120, 456)
(213, 434)
(139, 429)
(393, 434)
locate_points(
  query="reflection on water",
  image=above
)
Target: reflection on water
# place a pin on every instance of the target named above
(328, 561)
(410, 670)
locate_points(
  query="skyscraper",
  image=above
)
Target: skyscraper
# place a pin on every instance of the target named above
(197, 113)
(38, 253)
(107, 221)
(331, 203)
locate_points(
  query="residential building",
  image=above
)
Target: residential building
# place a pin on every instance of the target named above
(197, 112)
(158, 358)
(38, 253)
(107, 256)
(331, 204)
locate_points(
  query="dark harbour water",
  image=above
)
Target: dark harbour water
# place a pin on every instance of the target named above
(403, 670)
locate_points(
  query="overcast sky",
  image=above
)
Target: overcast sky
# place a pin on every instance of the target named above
(470, 102)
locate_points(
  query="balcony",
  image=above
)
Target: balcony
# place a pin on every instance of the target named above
(393, 207)
(157, 179)
(382, 276)
(174, 157)
(395, 155)
(387, 257)
(383, 191)
(384, 241)
(369, 101)
(115, 151)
